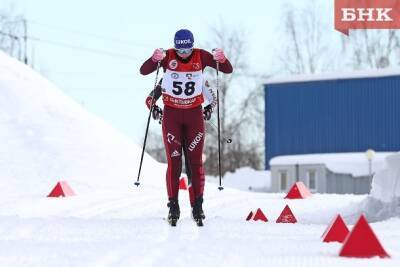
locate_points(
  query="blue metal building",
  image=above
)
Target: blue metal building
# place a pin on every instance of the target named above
(322, 114)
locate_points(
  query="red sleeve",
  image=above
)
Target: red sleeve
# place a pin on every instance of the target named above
(149, 65)
(207, 60)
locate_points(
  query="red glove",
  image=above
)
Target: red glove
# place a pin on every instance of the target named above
(148, 102)
(218, 55)
(158, 55)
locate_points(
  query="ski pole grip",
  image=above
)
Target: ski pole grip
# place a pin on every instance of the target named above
(213, 51)
(164, 51)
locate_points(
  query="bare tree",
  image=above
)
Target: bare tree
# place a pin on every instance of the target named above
(371, 49)
(306, 46)
(10, 33)
(237, 108)
(246, 128)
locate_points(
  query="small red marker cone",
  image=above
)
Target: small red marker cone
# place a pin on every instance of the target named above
(362, 242)
(250, 216)
(286, 216)
(62, 189)
(183, 184)
(259, 215)
(336, 231)
(298, 191)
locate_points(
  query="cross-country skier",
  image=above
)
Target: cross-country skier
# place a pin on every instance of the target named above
(157, 114)
(183, 122)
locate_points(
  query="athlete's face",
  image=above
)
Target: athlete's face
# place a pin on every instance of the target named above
(184, 53)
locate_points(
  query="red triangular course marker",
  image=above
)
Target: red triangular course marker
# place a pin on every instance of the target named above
(250, 216)
(259, 215)
(183, 184)
(62, 189)
(286, 216)
(298, 191)
(336, 231)
(362, 242)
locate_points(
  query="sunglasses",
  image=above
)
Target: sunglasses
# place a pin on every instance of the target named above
(184, 50)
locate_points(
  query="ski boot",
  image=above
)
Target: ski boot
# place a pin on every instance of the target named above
(174, 212)
(197, 211)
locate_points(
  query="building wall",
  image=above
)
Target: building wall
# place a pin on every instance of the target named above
(320, 176)
(327, 181)
(275, 177)
(347, 184)
(362, 185)
(332, 116)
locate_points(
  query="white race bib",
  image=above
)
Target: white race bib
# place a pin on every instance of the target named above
(182, 85)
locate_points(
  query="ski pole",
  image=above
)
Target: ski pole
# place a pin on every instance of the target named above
(220, 187)
(228, 140)
(137, 183)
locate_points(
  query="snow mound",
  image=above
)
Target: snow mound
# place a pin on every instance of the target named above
(47, 137)
(246, 179)
(386, 183)
(384, 199)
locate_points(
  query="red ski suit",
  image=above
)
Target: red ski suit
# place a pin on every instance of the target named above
(183, 123)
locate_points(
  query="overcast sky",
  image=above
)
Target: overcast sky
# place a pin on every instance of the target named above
(110, 84)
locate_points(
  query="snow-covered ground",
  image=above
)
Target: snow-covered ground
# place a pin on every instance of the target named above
(46, 137)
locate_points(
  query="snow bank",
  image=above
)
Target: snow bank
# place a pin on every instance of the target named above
(386, 183)
(246, 179)
(384, 199)
(355, 164)
(46, 136)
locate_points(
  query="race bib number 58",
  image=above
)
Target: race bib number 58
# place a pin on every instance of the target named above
(182, 85)
(187, 88)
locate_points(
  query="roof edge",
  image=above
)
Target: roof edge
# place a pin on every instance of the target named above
(299, 78)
